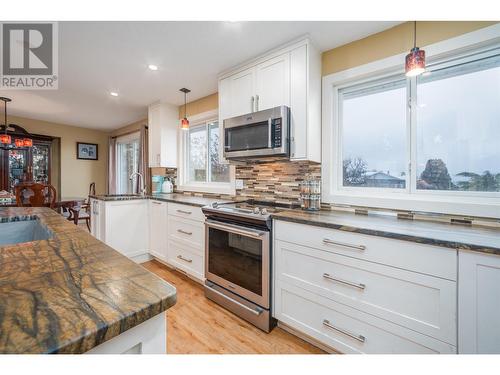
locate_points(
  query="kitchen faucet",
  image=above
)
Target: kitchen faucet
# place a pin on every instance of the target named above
(143, 190)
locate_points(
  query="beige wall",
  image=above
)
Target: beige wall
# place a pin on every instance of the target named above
(394, 41)
(135, 126)
(76, 175)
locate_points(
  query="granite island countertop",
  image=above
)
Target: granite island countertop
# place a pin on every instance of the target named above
(71, 292)
(170, 197)
(481, 239)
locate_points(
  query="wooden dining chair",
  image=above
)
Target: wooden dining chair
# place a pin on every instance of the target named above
(31, 194)
(86, 205)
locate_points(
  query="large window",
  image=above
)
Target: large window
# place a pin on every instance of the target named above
(127, 162)
(203, 170)
(431, 139)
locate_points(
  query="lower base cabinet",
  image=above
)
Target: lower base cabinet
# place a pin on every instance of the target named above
(478, 303)
(355, 294)
(348, 330)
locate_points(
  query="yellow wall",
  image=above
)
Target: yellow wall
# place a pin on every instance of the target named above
(207, 103)
(394, 41)
(76, 175)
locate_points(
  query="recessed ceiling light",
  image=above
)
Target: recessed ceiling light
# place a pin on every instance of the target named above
(152, 67)
(113, 93)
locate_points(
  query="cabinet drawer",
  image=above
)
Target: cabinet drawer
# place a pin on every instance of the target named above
(348, 330)
(431, 260)
(420, 302)
(188, 261)
(186, 211)
(188, 233)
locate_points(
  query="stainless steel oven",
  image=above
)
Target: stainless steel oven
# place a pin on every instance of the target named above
(238, 269)
(258, 135)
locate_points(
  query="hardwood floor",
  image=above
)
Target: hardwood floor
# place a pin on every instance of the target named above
(197, 325)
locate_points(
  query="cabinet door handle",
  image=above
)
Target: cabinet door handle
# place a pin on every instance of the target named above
(155, 202)
(184, 259)
(332, 242)
(256, 103)
(355, 285)
(252, 104)
(184, 212)
(360, 338)
(184, 232)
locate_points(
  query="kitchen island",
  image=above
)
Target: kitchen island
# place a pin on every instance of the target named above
(71, 293)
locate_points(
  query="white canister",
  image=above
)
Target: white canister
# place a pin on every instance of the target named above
(167, 186)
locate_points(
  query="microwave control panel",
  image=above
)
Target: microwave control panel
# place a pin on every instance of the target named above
(276, 132)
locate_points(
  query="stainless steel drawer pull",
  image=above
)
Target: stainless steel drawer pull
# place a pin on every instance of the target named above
(184, 232)
(330, 277)
(184, 259)
(332, 242)
(360, 338)
(155, 202)
(184, 212)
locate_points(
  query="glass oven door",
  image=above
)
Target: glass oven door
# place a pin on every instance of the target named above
(237, 258)
(248, 137)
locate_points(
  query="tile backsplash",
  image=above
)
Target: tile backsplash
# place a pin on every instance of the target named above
(277, 181)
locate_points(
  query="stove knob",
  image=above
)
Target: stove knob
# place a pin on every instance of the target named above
(256, 210)
(263, 211)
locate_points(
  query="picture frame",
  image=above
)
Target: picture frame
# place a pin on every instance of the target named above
(87, 151)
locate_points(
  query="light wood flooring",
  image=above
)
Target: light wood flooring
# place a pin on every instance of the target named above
(197, 325)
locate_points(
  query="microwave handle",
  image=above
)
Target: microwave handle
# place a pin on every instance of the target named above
(269, 132)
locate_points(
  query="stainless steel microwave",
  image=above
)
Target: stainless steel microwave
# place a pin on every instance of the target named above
(258, 135)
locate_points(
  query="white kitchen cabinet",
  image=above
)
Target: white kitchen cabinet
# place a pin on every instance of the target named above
(239, 93)
(163, 124)
(122, 225)
(291, 76)
(365, 294)
(478, 303)
(158, 236)
(273, 83)
(96, 222)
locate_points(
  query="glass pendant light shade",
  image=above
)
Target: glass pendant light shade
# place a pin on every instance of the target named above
(5, 139)
(185, 121)
(19, 142)
(415, 62)
(27, 142)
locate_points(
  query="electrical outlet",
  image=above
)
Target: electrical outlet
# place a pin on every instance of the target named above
(239, 184)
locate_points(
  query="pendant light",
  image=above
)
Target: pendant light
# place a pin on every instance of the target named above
(415, 60)
(185, 121)
(5, 138)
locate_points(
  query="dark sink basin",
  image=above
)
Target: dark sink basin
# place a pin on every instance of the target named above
(21, 229)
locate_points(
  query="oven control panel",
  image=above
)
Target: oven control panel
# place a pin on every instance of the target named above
(277, 132)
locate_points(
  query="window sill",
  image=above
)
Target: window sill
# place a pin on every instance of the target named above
(214, 188)
(436, 204)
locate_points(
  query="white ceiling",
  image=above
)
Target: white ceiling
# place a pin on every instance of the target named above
(98, 57)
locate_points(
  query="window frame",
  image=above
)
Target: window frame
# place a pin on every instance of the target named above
(447, 53)
(228, 188)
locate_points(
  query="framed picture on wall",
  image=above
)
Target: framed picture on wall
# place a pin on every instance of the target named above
(86, 151)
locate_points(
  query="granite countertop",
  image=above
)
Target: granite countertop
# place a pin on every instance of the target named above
(171, 197)
(72, 292)
(479, 239)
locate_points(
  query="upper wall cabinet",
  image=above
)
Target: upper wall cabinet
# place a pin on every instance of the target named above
(289, 75)
(163, 122)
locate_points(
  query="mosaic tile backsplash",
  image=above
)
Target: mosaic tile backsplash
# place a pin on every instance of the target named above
(277, 181)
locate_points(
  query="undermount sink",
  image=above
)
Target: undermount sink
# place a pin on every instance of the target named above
(23, 229)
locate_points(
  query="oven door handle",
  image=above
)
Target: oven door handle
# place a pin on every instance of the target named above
(236, 229)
